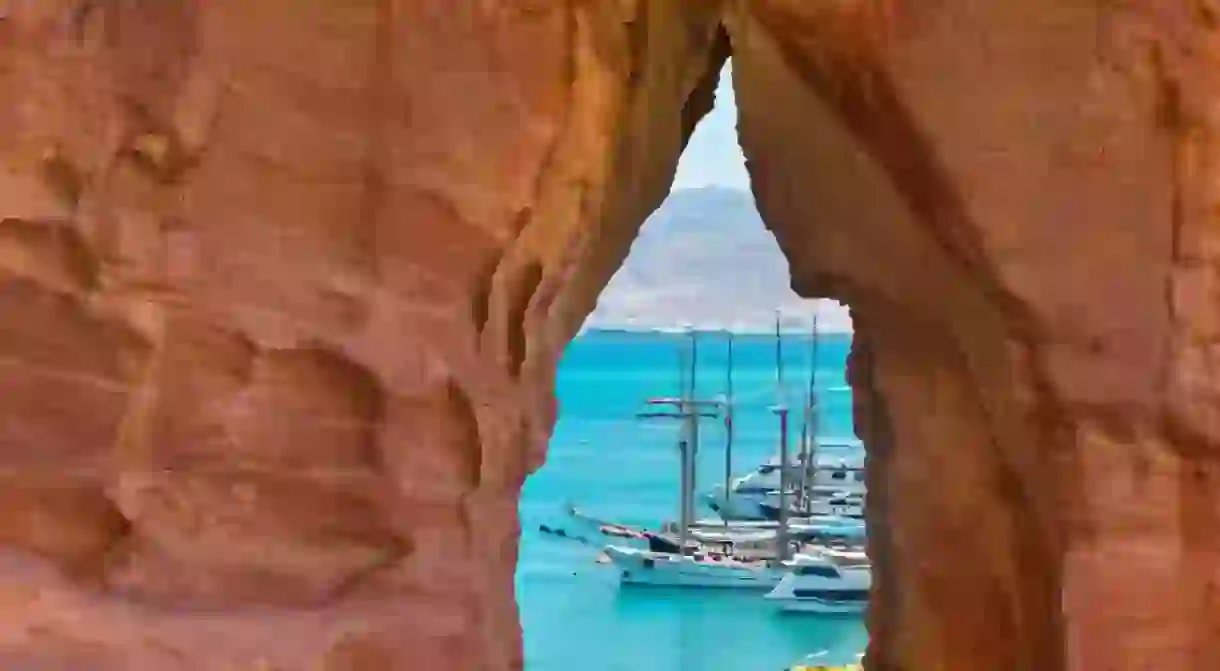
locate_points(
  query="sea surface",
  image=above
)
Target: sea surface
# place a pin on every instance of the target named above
(613, 466)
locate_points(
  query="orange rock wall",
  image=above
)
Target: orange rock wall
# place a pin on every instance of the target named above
(280, 285)
(283, 285)
(1015, 199)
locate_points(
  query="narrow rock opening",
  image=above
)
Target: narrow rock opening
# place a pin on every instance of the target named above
(867, 210)
(704, 276)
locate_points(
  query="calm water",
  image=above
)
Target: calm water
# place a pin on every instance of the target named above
(574, 612)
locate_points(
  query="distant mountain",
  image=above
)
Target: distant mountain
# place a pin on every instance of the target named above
(704, 258)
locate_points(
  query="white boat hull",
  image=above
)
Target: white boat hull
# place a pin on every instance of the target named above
(822, 607)
(827, 582)
(850, 508)
(749, 496)
(762, 506)
(743, 507)
(640, 567)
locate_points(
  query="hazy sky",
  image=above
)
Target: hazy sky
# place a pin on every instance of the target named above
(713, 156)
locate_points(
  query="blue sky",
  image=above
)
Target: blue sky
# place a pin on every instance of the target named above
(713, 157)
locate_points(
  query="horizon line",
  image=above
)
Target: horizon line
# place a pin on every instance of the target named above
(701, 329)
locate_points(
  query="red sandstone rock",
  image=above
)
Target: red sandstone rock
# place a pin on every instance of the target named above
(283, 286)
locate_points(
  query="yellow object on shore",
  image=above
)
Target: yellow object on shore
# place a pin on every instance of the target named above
(822, 667)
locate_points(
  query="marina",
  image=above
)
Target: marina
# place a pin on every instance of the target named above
(768, 557)
(750, 558)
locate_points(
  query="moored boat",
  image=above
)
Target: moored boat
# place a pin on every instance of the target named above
(835, 504)
(699, 569)
(825, 580)
(751, 496)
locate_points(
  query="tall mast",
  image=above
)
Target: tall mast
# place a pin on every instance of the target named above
(694, 359)
(728, 424)
(802, 496)
(781, 537)
(809, 439)
(689, 493)
(779, 358)
(689, 411)
(682, 367)
(684, 408)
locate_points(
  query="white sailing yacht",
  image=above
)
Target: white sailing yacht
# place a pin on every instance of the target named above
(698, 569)
(692, 565)
(698, 557)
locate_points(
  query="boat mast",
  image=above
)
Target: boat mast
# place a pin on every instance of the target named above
(781, 408)
(809, 426)
(688, 493)
(684, 436)
(682, 367)
(802, 494)
(688, 410)
(728, 425)
(811, 460)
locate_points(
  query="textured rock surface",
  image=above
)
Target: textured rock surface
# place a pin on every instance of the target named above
(1015, 198)
(283, 285)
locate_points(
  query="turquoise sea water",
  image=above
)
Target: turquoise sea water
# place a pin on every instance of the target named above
(575, 614)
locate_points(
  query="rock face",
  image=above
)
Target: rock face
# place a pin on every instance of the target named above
(284, 284)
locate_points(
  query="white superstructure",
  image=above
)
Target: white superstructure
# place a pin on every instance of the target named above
(838, 474)
(825, 580)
